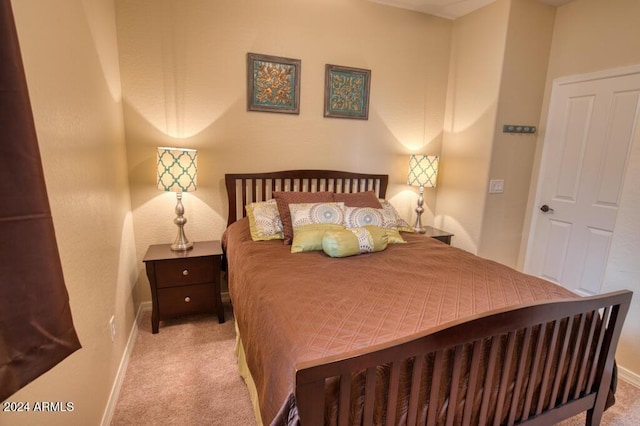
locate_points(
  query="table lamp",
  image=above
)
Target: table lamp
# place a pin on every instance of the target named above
(177, 172)
(423, 170)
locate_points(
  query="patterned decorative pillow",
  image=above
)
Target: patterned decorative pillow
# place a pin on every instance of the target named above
(357, 217)
(264, 221)
(349, 242)
(392, 218)
(284, 198)
(313, 213)
(358, 199)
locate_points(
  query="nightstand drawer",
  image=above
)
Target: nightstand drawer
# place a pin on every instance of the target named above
(183, 300)
(178, 272)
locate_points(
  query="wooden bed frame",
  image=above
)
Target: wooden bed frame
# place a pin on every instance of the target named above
(259, 186)
(548, 397)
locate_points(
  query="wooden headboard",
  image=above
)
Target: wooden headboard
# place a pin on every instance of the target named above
(245, 188)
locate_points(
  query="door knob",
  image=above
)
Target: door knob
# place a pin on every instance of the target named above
(546, 209)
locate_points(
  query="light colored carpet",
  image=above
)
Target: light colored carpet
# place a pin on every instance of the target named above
(184, 375)
(187, 375)
(625, 412)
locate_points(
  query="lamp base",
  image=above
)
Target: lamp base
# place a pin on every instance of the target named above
(419, 210)
(181, 243)
(181, 246)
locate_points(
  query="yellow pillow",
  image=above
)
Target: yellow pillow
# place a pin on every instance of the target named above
(264, 221)
(309, 237)
(393, 235)
(352, 241)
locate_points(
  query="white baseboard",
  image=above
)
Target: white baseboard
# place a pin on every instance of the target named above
(629, 376)
(122, 368)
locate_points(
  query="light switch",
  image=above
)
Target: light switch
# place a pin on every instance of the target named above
(496, 186)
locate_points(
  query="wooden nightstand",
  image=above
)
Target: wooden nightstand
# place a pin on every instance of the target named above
(438, 234)
(186, 282)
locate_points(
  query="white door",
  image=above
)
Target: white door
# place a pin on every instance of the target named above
(591, 126)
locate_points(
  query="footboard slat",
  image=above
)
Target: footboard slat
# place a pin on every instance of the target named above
(520, 377)
(392, 402)
(563, 356)
(370, 393)
(534, 372)
(473, 381)
(551, 349)
(435, 388)
(587, 351)
(311, 390)
(574, 359)
(606, 317)
(345, 400)
(441, 376)
(604, 372)
(505, 377)
(453, 395)
(415, 390)
(488, 380)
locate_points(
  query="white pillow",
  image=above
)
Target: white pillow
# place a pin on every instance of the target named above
(315, 213)
(357, 217)
(392, 218)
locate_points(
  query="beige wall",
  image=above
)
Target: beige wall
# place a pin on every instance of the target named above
(524, 71)
(71, 61)
(477, 56)
(497, 76)
(183, 67)
(595, 35)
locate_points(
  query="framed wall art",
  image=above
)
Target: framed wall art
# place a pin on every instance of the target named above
(273, 84)
(346, 92)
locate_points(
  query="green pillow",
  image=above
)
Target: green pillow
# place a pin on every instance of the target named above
(352, 241)
(309, 237)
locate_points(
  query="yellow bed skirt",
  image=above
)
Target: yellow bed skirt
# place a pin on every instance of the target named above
(243, 369)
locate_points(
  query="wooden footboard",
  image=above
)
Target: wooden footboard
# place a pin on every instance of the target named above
(538, 363)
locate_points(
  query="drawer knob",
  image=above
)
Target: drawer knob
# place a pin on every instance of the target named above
(187, 299)
(185, 272)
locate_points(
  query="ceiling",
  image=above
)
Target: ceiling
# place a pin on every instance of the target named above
(450, 8)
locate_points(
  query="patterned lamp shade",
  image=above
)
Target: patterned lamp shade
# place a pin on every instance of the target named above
(177, 169)
(423, 170)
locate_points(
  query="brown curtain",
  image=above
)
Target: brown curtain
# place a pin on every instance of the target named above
(36, 329)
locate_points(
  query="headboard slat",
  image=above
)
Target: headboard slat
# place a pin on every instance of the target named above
(296, 180)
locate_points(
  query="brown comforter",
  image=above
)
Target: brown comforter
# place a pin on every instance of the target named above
(299, 307)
